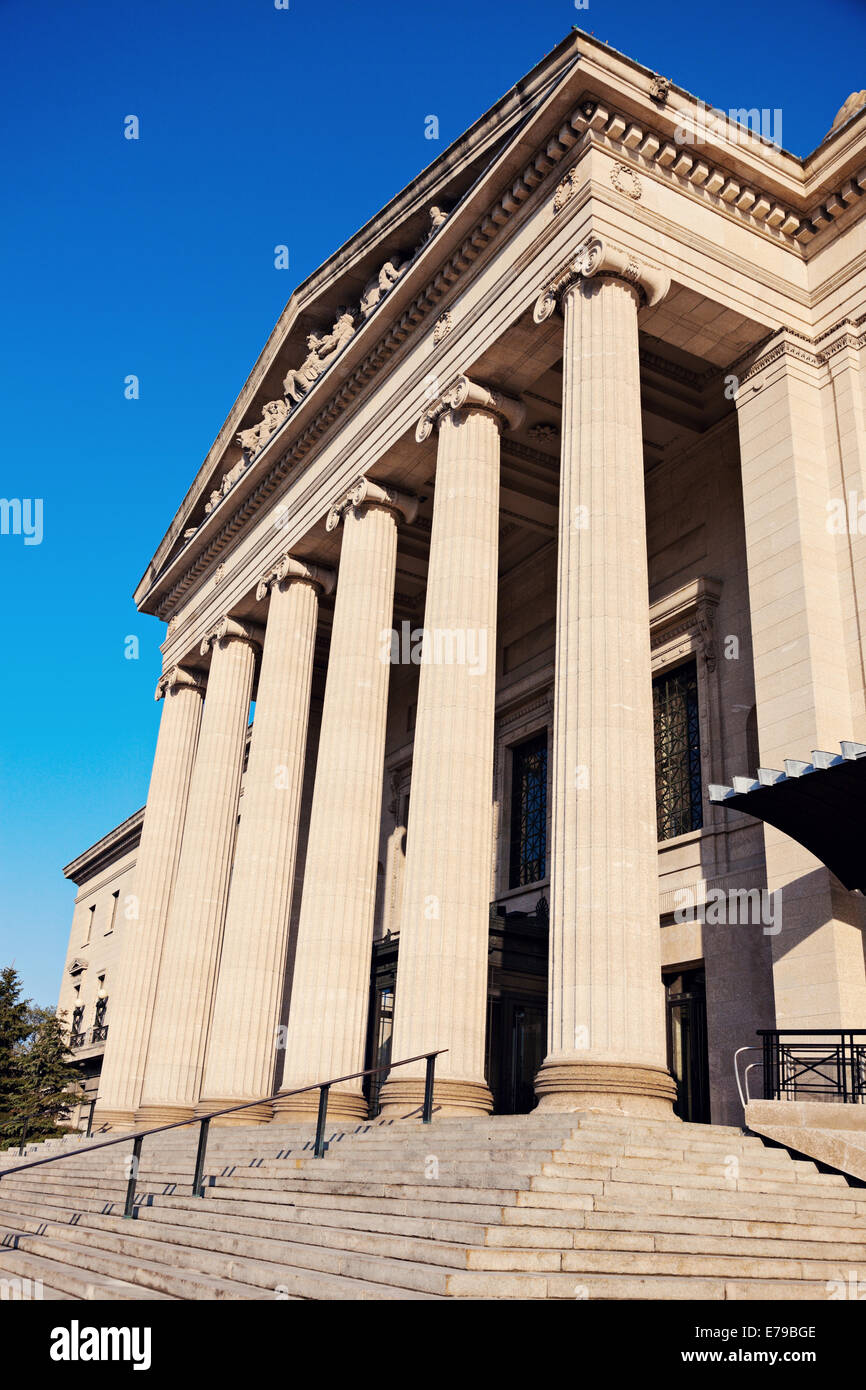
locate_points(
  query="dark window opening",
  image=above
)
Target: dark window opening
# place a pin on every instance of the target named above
(528, 812)
(679, 804)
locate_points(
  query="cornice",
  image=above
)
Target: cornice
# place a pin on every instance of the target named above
(787, 342)
(107, 850)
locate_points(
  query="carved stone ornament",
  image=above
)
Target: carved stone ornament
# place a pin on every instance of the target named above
(364, 492)
(544, 431)
(177, 677)
(218, 574)
(444, 324)
(232, 630)
(565, 190)
(465, 393)
(600, 257)
(625, 180)
(288, 569)
(659, 89)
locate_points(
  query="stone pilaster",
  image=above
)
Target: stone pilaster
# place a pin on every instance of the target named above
(800, 548)
(134, 993)
(330, 988)
(243, 1035)
(606, 1040)
(181, 1017)
(441, 995)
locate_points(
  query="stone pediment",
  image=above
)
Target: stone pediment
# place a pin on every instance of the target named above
(358, 279)
(366, 300)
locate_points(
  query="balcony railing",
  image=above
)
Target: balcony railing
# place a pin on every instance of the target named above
(814, 1064)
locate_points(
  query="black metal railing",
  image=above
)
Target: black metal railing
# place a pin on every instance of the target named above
(24, 1122)
(77, 1039)
(99, 1033)
(203, 1121)
(814, 1064)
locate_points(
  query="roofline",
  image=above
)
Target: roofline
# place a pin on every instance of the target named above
(107, 850)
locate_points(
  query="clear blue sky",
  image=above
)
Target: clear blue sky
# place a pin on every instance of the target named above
(258, 127)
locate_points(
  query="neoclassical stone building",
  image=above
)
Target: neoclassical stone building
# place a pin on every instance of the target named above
(520, 534)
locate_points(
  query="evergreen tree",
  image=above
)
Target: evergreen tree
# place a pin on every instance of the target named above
(49, 1080)
(36, 1074)
(15, 1025)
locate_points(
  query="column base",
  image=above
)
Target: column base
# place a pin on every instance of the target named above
(403, 1097)
(342, 1105)
(618, 1088)
(114, 1119)
(149, 1116)
(254, 1115)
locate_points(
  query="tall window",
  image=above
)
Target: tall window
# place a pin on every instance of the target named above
(678, 751)
(529, 812)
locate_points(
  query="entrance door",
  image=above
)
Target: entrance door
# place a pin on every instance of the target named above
(686, 996)
(516, 1041)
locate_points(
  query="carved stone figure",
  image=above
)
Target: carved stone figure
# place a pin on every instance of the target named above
(381, 284)
(299, 380)
(438, 216)
(273, 415)
(322, 351)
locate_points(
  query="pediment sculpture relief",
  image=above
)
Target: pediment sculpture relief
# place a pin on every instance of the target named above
(378, 287)
(322, 350)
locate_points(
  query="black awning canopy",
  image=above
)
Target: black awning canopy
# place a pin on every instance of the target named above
(821, 804)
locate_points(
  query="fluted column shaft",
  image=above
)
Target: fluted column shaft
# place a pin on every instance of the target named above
(178, 1040)
(241, 1048)
(441, 992)
(134, 993)
(606, 1044)
(330, 988)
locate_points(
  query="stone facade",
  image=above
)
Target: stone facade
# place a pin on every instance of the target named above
(582, 406)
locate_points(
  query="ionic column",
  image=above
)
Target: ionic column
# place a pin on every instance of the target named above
(134, 993)
(606, 1023)
(441, 995)
(241, 1048)
(330, 988)
(175, 1060)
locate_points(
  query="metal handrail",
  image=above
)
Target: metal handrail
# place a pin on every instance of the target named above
(323, 1087)
(831, 1055)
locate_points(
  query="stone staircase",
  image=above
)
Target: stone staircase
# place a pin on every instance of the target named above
(526, 1207)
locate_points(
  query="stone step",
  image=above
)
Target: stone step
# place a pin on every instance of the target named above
(205, 1273)
(794, 1183)
(132, 1270)
(63, 1282)
(688, 1188)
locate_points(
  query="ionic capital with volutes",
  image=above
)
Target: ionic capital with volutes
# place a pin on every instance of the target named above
(179, 677)
(288, 570)
(232, 630)
(464, 394)
(366, 493)
(599, 258)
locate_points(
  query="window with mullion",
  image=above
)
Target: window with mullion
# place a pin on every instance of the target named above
(528, 861)
(679, 804)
